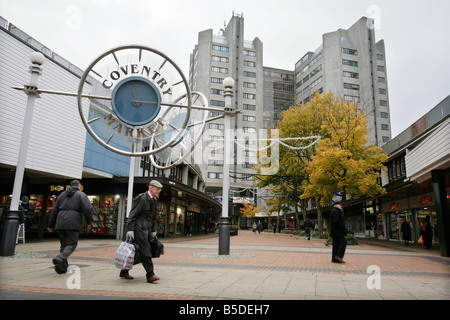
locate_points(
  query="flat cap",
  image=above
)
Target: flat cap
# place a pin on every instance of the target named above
(155, 183)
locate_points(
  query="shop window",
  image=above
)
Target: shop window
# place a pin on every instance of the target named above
(396, 168)
(106, 212)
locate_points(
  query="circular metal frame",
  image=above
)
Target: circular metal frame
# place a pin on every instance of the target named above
(196, 139)
(103, 143)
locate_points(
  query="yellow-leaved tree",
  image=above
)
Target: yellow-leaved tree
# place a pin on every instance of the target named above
(343, 161)
(340, 161)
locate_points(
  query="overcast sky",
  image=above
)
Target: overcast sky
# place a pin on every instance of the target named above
(416, 35)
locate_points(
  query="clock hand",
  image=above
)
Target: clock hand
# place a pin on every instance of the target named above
(140, 101)
(136, 101)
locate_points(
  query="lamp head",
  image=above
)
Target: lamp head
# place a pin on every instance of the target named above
(37, 58)
(228, 82)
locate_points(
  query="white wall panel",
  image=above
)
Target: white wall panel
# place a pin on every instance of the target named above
(430, 153)
(57, 141)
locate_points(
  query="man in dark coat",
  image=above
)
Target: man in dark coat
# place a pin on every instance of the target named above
(406, 232)
(337, 230)
(308, 227)
(66, 217)
(427, 233)
(141, 227)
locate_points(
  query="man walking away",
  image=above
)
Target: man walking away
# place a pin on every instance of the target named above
(308, 227)
(66, 218)
(337, 229)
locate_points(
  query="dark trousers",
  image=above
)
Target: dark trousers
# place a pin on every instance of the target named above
(148, 265)
(339, 245)
(69, 242)
(308, 233)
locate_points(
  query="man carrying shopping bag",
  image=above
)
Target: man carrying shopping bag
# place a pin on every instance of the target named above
(141, 227)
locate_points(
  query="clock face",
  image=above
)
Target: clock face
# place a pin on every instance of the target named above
(123, 95)
(136, 101)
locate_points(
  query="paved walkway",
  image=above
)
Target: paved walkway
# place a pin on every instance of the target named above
(262, 266)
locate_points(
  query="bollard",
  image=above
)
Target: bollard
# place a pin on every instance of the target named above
(224, 236)
(9, 235)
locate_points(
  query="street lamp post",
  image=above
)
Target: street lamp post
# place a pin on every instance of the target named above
(224, 225)
(11, 225)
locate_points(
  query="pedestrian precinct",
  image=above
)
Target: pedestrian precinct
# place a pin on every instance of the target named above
(337, 230)
(66, 218)
(141, 226)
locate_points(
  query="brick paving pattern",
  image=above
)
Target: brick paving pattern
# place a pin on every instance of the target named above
(262, 266)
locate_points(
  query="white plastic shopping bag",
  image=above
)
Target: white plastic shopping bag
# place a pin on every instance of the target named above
(124, 259)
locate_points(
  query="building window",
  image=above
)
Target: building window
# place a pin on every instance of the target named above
(219, 69)
(216, 126)
(351, 86)
(249, 96)
(385, 127)
(380, 68)
(217, 91)
(350, 63)
(249, 107)
(383, 103)
(250, 85)
(384, 115)
(349, 74)
(249, 129)
(249, 63)
(249, 118)
(215, 163)
(249, 74)
(396, 168)
(220, 48)
(216, 80)
(215, 175)
(217, 103)
(350, 51)
(219, 59)
(250, 53)
(351, 98)
(316, 82)
(215, 138)
(315, 71)
(382, 91)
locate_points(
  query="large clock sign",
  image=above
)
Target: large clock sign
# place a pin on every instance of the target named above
(131, 89)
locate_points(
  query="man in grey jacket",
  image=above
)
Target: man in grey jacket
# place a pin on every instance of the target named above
(66, 217)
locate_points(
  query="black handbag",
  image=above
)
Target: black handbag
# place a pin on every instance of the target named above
(157, 247)
(137, 257)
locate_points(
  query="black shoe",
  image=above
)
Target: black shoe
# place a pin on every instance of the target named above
(337, 260)
(60, 265)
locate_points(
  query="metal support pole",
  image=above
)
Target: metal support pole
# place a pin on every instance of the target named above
(442, 213)
(11, 225)
(224, 225)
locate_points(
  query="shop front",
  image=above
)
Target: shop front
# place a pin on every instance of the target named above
(38, 207)
(414, 210)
